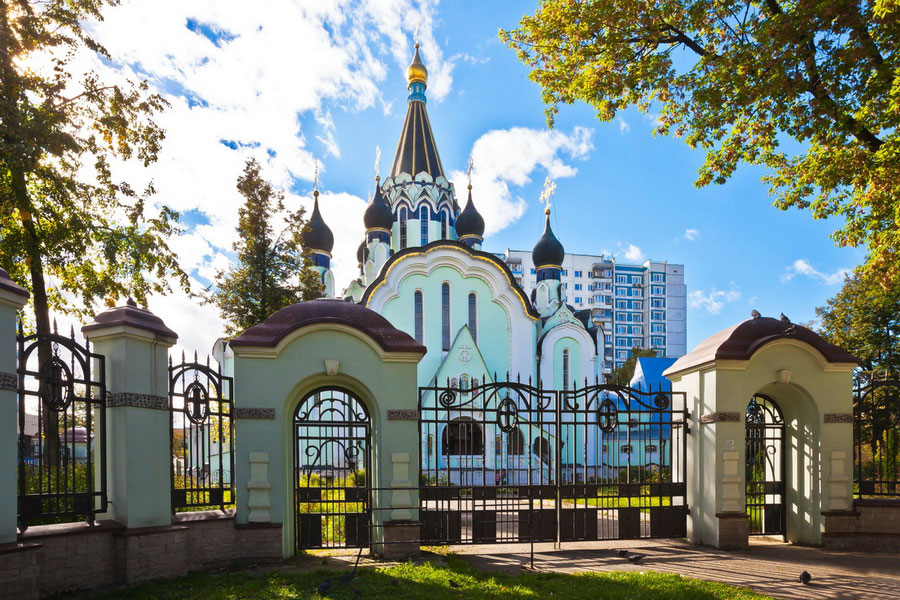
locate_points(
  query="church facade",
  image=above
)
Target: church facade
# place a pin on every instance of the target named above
(422, 267)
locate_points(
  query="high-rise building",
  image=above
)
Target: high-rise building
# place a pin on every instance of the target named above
(636, 305)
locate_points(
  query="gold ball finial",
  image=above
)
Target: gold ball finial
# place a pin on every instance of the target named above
(416, 73)
(547, 212)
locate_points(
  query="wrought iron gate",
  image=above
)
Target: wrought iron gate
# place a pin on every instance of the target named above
(513, 462)
(202, 436)
(765, 454)
(332, 434)
(61, 429)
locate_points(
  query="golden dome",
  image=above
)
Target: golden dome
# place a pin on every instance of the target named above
(416, 73)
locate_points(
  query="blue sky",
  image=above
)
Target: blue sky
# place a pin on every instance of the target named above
(326, 81)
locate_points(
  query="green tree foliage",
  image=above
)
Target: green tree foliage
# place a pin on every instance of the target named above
(622, 375)
(738, 79)
(272, 271)
(864, 319)
(70, 231)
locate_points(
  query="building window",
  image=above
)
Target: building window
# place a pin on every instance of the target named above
(621, 279)
(577, 273)
(445, 316)
(657, 277)
(515, 442)
(420, 317)
(423, 222)
(402, 219)
(462, 437)
(445, 225)
(473, 315)
(532, 271)
(578, 300)
(565, 368)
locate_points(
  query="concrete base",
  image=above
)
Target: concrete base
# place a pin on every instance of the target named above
(260, 542)
(732, 531)
(19, 571)
(872, 526)
(401, 540)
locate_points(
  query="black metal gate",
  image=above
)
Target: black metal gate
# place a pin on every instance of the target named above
(332, 453)
(513, 462)
(202, 436)
(61, 429)
(765, 455)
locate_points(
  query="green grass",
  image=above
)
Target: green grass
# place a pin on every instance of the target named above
(431, 581)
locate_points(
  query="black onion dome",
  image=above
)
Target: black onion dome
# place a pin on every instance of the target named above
(548, 250)
(317, 235)
(378, 213)
(361, 252)
(470, 221)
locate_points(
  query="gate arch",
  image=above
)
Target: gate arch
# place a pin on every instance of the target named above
(332, 470)
(765, 466)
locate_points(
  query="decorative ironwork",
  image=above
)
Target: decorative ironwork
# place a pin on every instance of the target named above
(876, 413)
(61, 428)
(599, 462)
(202, 435)
(765, 456)
(332, 453)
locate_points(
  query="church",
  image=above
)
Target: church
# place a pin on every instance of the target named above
(422, 267)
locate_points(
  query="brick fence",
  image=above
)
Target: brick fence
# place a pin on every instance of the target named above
(50, 559)
(872, 525)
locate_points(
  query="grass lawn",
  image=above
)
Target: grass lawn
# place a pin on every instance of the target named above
(431, 581)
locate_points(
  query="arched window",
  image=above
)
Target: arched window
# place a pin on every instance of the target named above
(419, 316)
(445, 225)
(541, 448)
(402, 219)
(445, 316)
(515, 442)
(565, 368)
(473, 315)
(462, 436)
(423, 222)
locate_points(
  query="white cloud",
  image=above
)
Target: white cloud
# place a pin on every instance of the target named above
(508, 157)
(802, 267)
(630, 252)
(624, 127)
(714, 300)
(634, 253)
(251, 83)
(691, 234)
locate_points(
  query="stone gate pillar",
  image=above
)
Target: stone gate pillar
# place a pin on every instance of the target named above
(811, 382)
(282, 362)
(135, 343)
(12, 298)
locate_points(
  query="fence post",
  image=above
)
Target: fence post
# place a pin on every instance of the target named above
(12, 298)
(139, 455)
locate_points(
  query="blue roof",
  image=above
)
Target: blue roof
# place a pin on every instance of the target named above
(648, 373)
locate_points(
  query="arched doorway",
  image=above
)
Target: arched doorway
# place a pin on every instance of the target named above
(332, 448)
(765, 456)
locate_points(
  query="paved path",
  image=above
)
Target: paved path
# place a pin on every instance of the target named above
(768, 567)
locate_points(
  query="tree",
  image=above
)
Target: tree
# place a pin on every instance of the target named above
(864, 319)
(69, 230)
(272, 271)
(738, 79)
(622, 375)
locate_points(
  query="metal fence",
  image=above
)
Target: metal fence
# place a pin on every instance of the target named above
(202, 436)
(876, 415)
(509, 462)
(61, 429)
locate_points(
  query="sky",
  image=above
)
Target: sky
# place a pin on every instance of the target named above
(295, 83)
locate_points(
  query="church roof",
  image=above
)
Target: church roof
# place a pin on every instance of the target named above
(317, 235)
(548, 250)
(416, 151)
(470, 221)
(487, 256)
(378, 213)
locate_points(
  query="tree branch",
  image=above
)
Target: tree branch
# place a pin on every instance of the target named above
(66, 101)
